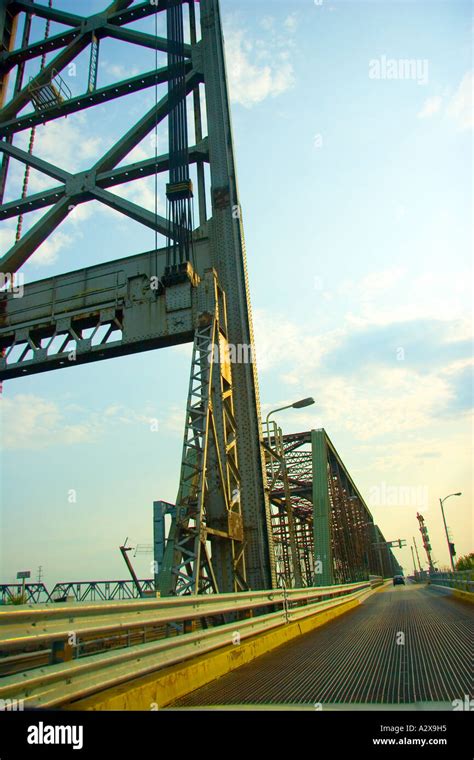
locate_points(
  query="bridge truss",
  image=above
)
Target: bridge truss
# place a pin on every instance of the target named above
(246, 515)
(328, 534)
(221, 532)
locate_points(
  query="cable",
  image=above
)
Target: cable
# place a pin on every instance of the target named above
(156, 140)
(26, 176)
(179, 189)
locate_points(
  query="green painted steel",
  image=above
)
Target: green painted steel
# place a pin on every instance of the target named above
(323, 564)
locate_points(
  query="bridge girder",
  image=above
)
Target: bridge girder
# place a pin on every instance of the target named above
(146, 319)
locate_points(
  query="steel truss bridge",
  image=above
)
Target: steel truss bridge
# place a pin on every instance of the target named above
(230, 531)
(269, 535)
(80, 591)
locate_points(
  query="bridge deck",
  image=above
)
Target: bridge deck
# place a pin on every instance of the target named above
(356, 659)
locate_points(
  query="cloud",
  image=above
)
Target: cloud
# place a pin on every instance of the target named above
(71, 143)
(458, 108)
(461, 392)
(419, 344)
(372, 284)
(291, 22)
(174, 421)
(33, 422)
(49, 251)
(141, 192)
(386, 403)
(430, 107)
(267, 23)
(281, 342)
(370, 380)
(7, 236)
(256, 69)
(118, 70)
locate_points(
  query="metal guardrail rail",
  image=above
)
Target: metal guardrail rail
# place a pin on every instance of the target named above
(64, 682)
(462, 580)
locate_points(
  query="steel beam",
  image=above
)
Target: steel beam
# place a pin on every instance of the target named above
(139, 38)
(43, 11)
(20, 55)
(138, 170)
(229, 260)
(36, 235)
(324, 571)
(71, 319)
(79, 103)
(76, 46)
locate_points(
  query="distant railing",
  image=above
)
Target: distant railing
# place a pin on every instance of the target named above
(463, 580)
(49, 94)
(101, 591)
(79, 591)
(30, 593)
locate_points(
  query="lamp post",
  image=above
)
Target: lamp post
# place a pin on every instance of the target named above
(450, 545)
(279, 451)
(296, 405)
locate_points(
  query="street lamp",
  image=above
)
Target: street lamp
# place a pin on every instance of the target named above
(278, 452)
(450, 545)
(296, 405)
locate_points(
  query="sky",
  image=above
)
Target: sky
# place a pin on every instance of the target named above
(355, 179)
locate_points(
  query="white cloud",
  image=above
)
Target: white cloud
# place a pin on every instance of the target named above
(49, 251)
(373, 284)
(175, 420)
(68, 143)
(390, 402)
(291, 22)
(118, 70)
(7, 236)
(385, 400)
(430, 107)
(141, 192)
(249, 82)
(279, 341)
(33, 422)
(460, 106)
(267, 23)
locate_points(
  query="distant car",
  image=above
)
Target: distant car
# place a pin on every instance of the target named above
(398, 580)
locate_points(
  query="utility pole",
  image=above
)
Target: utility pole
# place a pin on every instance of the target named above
(426, 541)
(417, 555)
(452, 550)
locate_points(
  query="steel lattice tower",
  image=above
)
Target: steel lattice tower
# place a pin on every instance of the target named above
(194, 288)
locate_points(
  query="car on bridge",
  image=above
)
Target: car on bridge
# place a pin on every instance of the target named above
(398, 580)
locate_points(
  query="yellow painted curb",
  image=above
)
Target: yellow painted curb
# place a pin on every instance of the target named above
(465, 596)
(158, 690)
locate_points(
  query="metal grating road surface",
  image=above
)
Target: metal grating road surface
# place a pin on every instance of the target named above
(356, 658)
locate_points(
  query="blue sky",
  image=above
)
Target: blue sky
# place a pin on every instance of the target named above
(356, 196)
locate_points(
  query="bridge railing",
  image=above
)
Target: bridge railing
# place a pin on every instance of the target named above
(79, 591)
(463, 580)
(29, 628)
